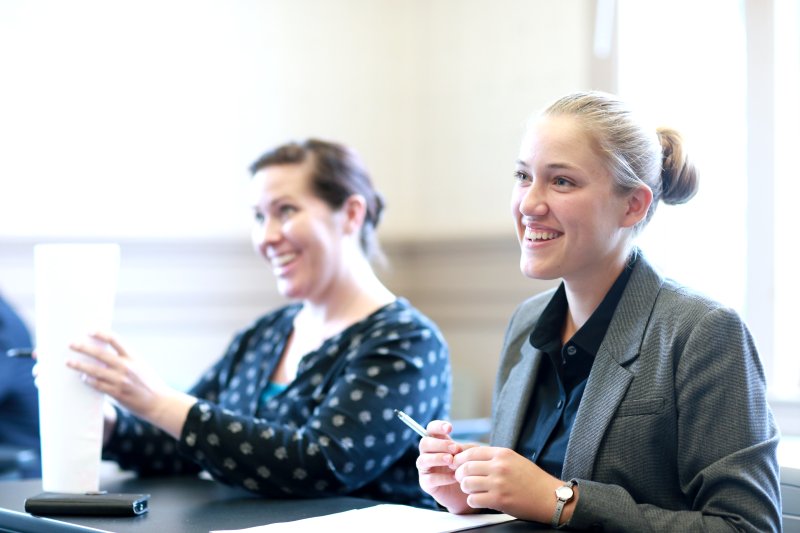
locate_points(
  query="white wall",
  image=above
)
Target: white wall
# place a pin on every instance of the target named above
(138, 119)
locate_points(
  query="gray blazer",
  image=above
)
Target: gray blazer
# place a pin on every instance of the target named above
(673, 432)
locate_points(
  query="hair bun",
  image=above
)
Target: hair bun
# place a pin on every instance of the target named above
(377, 209)
(679, 181)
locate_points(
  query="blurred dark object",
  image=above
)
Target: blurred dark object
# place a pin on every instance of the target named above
(19, 401)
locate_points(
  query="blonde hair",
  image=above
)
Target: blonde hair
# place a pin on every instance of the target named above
(635, 155)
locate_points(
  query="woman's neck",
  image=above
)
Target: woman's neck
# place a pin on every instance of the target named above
(353, 297)
(584, 295)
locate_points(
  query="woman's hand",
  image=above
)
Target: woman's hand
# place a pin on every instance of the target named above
(131, 384)
(436, 469)
(503, 480)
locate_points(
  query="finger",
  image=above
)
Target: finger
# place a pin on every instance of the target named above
(438, 479)
(97, 373)
(473, 453)
(472, 468)
(439, 428)
(98, 352)
(112, 340)
(473, 484)
(100, 385)
(427, 462)
(480, 500)
(434, 444)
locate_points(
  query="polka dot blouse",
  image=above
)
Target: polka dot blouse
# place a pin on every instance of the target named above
(332, 431)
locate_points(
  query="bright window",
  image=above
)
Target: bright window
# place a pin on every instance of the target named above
(786, 379)
(685, 64)
(696, 84)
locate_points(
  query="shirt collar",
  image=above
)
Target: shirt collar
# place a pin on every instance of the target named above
(547, 333)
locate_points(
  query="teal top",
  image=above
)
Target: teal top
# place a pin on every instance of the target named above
(272, 389)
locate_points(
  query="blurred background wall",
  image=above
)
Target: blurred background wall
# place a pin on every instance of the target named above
(134, 122)
(139, 119)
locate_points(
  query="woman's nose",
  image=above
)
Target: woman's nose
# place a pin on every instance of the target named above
(268, 232)
(533, 202)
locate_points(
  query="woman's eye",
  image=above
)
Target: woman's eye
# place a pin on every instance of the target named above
(286, 211)
(561, 181)
(521, 176)
(258, 217)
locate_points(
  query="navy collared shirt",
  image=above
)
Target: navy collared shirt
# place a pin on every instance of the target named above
(563, 374)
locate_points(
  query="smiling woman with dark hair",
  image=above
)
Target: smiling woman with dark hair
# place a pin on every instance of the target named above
(302, 402)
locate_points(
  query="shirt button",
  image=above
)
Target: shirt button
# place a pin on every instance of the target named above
(559, 404)
(571, 350)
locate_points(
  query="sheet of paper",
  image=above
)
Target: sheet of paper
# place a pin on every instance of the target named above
(384, 518)
(75, 285)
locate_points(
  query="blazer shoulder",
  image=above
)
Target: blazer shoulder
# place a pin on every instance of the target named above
(650, 292)
(682, 301)
(528, 312)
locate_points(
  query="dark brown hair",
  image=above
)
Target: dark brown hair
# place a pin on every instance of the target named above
(337, 174)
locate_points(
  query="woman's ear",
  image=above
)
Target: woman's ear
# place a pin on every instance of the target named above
(638, 205)
(355, 210)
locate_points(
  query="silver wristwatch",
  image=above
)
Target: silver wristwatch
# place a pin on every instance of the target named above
(564, 493)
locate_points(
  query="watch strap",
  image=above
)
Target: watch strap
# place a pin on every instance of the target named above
(560, 503)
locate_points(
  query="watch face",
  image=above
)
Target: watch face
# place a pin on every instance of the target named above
(564, 493)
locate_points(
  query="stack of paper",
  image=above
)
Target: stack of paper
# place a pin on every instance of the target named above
(386, 518)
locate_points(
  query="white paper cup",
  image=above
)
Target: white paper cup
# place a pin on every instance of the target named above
(75, 285)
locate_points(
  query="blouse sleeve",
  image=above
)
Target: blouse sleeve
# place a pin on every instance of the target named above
(144, 448)
(349, 436)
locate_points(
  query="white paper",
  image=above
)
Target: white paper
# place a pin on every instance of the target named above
(385, 518)
(75, 286)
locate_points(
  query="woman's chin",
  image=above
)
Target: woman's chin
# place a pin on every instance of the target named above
(290, 291)
(532, 270)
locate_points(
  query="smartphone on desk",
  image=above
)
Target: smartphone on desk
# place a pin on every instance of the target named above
(91, 504)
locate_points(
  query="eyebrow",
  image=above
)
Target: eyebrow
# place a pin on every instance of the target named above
(553, 166)
(280, 199)
(273, 202)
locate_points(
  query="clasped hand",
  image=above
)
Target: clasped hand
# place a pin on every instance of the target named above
(467, 477)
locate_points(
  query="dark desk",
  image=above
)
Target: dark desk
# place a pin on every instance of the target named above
(184, 505)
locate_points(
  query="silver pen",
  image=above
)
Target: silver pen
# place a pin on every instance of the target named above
(410, 422)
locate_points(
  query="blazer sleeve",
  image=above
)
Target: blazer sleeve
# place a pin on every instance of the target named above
(726, 441)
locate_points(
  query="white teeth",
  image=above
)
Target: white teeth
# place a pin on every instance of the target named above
(539, 235)
(280, 260)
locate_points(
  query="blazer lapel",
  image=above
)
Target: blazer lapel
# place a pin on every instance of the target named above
(513, 400)
(610, 375)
